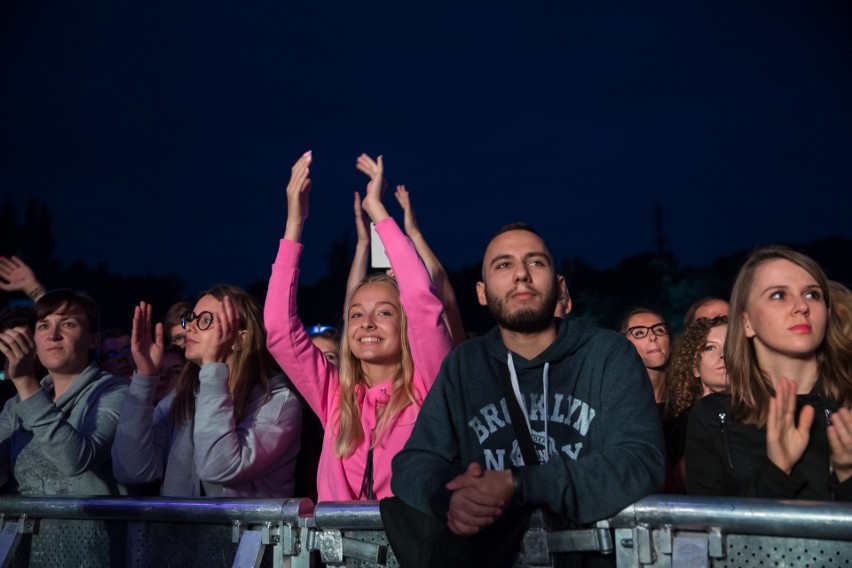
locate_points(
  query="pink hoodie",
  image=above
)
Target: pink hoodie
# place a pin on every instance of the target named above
(317, 379)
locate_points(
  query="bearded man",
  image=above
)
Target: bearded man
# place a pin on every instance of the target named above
(580, 392)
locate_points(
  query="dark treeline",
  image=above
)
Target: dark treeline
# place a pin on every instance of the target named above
(654, 279)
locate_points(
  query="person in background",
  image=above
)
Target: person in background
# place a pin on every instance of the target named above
(175, 334)
(841, 306)
(783, 429)
(709, 307)
(394, 340)
(648, 331)
(17, 276)
(327, 340)
(440, 280)
(231, 426)
(114, 353)
(697, 369)
(171, 368)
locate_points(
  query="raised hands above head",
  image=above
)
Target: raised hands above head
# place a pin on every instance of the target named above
(297, 197)
(147, 351)
(17, 276)
(361, 222)
(372, 202)
(409, 220)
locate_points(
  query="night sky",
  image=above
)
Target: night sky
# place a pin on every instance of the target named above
(161, 134)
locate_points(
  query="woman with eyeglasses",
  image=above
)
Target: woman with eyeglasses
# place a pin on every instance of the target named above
(783, 429)
(648, 331)
(231, 426)
(394, 340)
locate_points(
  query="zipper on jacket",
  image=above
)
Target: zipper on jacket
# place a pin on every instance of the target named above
(723, 424)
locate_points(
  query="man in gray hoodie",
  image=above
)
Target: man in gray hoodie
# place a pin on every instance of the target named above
(582, 391)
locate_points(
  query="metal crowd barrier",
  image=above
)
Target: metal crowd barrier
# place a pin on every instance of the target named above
(658, 531)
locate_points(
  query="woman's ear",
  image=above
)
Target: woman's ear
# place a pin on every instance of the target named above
(749, 330)
(240, 341)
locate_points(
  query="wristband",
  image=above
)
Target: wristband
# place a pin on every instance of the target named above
(36, 292)
(517, 486)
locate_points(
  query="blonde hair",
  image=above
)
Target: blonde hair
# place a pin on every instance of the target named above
(251, 364)
(750, 387)
(350, 433)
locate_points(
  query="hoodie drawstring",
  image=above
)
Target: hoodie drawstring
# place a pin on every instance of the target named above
(513, 376)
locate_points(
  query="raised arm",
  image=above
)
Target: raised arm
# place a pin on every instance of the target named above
(297, 197)
(143, 435)
(358, 271)
(427, 333)
(443, 287)
(19, 276)
(287, 341)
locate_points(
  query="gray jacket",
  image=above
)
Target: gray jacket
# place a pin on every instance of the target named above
(62, 447)
(255, 458)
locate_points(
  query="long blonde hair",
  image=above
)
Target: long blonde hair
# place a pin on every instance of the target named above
(350, 433)
(750, 387)
(251, 365)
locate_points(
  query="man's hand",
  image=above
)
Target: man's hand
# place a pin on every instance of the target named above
(479, 498)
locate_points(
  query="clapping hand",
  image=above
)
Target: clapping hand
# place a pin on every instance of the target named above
(297, 197)
(786, 442)
(372, 202)
(147, 351)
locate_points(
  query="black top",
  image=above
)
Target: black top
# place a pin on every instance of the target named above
(724, 457)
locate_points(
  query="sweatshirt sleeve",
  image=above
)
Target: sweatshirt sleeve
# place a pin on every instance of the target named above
(428, 337)
(7, 428)
(431, 456)
(75, 451)
(230, 453)
(288, 342)
(627, 461)
(143, 436)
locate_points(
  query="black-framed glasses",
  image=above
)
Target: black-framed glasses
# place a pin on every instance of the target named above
(641, 331)
(204, 319)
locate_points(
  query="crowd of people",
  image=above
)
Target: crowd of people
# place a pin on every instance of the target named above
(752, 399)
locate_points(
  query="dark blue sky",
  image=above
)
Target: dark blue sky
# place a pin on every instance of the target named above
(162, 134)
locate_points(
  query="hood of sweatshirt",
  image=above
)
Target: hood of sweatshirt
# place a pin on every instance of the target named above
(571, 335)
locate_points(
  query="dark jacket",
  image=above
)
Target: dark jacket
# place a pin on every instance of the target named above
(724, 457)
(591, 411)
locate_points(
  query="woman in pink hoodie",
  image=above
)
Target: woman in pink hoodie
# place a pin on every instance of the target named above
(368, 406)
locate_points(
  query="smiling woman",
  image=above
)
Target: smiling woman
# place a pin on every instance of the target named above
(784, 430)
(394, 340)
